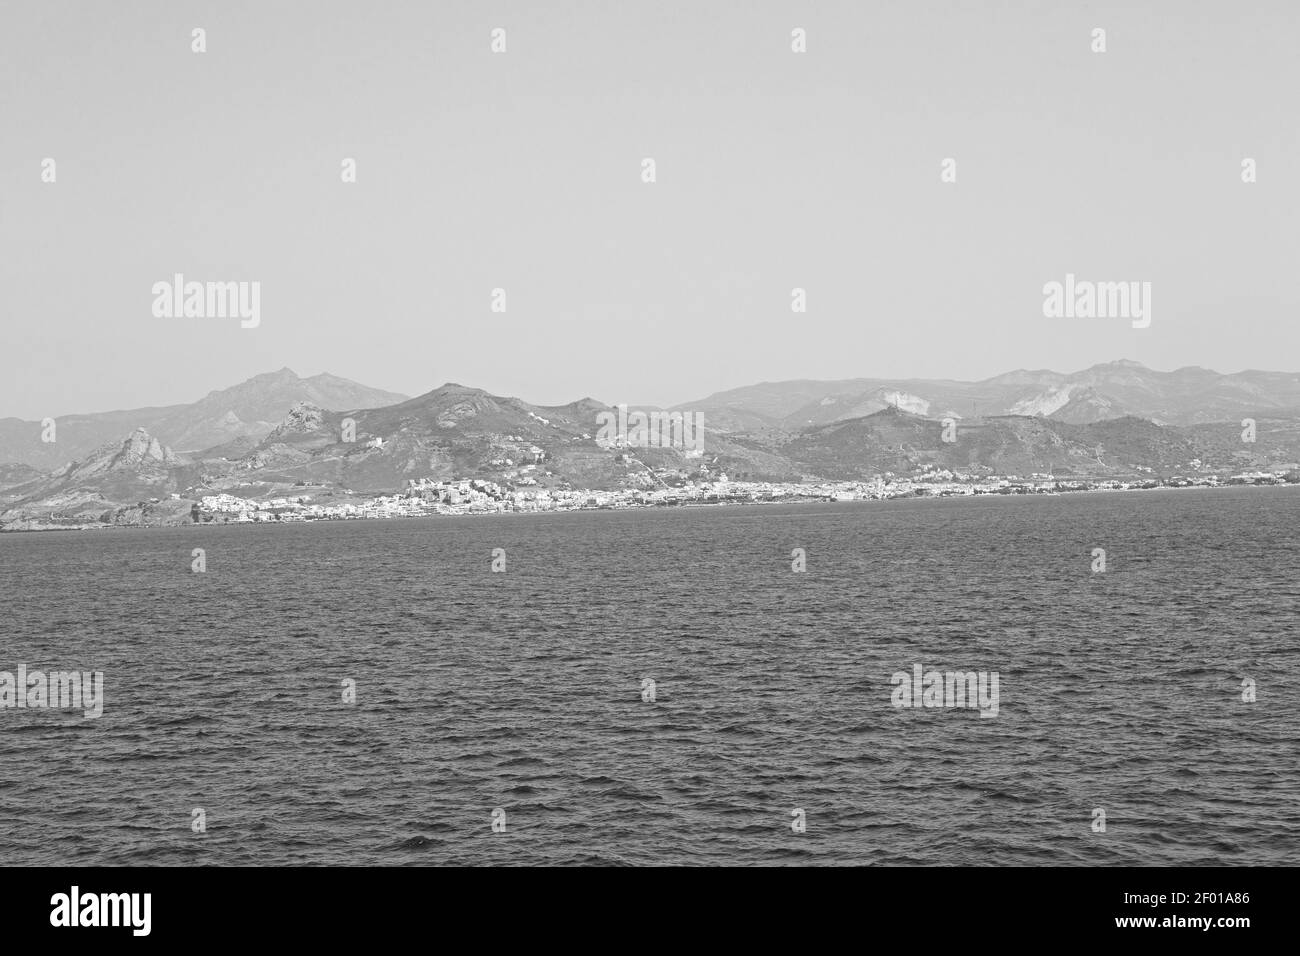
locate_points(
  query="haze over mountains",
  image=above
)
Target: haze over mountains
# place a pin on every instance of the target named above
(1187, 396)
(251, 408)
(278, 433)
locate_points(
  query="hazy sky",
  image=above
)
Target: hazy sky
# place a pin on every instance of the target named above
(522, 171)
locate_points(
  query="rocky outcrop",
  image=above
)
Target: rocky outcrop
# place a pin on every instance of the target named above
(304, 418)
(139, 453)
(134, 471)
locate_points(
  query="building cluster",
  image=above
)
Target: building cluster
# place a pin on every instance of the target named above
(425, 497)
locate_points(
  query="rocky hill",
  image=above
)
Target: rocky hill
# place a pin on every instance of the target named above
(128, 475)
(458, 432)
(451, 432)
(252, 408)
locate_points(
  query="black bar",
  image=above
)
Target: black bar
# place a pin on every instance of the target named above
(944, 906)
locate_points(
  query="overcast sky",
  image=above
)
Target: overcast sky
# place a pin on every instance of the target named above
(522, 170)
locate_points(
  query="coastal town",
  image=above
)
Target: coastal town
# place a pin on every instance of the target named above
(424, 498)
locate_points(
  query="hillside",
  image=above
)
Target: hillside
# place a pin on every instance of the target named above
(456, 432)
(130, 475)
(1187, 396)
(900, 443)
(251, 408)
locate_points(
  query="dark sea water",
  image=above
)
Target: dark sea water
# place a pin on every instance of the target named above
(522, 690)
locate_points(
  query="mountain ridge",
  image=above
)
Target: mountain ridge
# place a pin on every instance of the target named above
(1076, 426)
(252, 407)
(1186, 396)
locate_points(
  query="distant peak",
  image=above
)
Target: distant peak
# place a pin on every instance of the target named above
(458, 389)
(285, 374)
(282, 374)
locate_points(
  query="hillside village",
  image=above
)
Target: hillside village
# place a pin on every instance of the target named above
(462, 451)
(427, 499)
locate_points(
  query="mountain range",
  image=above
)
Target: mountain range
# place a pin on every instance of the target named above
(325, 436)
(1187, 396)
(252, 408)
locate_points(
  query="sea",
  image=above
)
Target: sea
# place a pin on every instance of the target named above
(663, 687)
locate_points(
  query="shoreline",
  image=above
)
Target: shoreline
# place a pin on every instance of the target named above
(683, 505)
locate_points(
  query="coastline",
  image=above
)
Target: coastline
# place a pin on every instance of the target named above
(733, 502)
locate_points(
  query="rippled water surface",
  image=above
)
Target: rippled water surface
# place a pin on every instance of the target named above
(522, 691)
